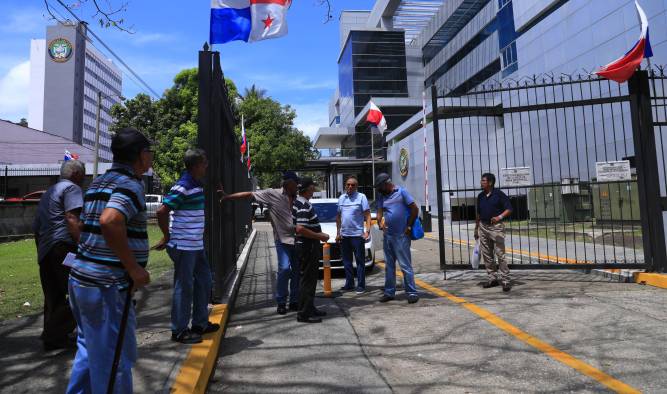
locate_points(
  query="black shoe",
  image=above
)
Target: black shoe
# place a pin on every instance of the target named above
(491, 283)
(293, 306)
(413, 298)
(386, 298)
(347, 288)
(319, 312)
(63, 344)
(308, 319)
(187, 337)
(507, 287)
(211, 327)
(282, 309)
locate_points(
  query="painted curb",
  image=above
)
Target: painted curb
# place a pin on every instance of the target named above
(196, 370)
(657, 280)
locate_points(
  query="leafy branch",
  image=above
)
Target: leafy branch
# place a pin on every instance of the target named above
(108, 16)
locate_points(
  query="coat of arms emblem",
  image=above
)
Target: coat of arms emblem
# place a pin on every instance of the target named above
(60, 50)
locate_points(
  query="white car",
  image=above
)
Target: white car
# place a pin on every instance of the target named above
(327, 209)
(153, 202)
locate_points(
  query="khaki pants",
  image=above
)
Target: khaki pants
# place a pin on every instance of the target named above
(492, 241)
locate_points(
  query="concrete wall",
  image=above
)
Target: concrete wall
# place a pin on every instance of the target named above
(17, 218)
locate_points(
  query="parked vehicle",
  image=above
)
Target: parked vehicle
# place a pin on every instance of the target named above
(259, 211)
(327, 209)
(153, 202)
(33, 196)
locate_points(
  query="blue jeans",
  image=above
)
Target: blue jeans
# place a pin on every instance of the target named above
(192, 288)
(350, 246)
(288, 274)
(98, 312)
(397, 247)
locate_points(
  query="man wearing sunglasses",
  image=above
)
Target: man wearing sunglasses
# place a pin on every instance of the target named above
(353, 213)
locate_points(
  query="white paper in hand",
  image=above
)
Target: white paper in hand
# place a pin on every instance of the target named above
(474, 260)
(69, 260)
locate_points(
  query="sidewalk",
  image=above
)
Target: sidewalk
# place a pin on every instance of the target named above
(26, 368)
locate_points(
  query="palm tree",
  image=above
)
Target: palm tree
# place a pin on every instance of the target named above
(254, 92)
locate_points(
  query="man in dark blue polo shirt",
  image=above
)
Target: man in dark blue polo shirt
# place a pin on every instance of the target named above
(493, 206)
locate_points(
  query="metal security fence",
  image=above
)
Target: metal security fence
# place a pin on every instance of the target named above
(576, 156)
(228, 225)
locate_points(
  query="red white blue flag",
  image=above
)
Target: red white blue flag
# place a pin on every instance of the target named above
(376, 117)
(620, 70)
(248, 20)
(244, 141)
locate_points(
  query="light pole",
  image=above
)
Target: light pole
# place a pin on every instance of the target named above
(97, 128)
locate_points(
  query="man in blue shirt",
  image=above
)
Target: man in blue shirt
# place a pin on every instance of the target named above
(493, 206)
(397, 213)
(57, 228)
(113, 249)
(353, 212)
(184, 240)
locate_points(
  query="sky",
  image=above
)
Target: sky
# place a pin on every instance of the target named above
(299, 69)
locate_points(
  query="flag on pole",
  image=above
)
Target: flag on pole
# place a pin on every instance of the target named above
(244, 142)
(375, 116)
(248, 20)
(70, 156)
(248, 161)
(620, 70)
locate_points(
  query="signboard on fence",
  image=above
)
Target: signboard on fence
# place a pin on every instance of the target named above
(611, 171)
(516, 176)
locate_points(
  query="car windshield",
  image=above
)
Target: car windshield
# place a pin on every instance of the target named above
(326, 212)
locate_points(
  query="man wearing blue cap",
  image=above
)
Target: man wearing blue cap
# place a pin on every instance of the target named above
(280, 203)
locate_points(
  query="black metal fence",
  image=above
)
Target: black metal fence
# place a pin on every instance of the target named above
(576, 156)
(228, 225)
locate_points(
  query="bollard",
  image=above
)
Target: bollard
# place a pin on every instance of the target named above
(326, 257)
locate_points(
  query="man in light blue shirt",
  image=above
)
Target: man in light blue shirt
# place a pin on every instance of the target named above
(397, 213)
(353, 211)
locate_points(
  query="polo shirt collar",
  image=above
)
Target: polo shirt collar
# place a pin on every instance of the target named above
(124, 169)
(190, 180)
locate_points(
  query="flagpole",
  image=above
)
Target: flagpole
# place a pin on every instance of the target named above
(425, 152)
(373, 160)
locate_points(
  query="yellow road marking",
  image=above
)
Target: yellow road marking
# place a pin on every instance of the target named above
(558, 355)
(197, 367)
(651, 279)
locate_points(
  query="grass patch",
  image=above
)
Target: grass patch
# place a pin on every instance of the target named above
(19, 275)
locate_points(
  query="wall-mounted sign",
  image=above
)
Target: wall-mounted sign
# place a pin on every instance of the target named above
(516, 176)
(403, 162)
(60, 50)
(610, 171)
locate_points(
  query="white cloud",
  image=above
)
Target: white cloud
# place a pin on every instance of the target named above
(273, 82)
(14, 91)
(310, 117)
(141, 38)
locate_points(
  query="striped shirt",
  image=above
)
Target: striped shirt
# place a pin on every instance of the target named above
(95, 263)
(186, 200)
(304, 215)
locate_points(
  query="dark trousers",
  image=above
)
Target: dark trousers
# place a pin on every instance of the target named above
(58, 318)
(354, 246)
(308, 256)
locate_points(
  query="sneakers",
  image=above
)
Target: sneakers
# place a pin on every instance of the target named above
(308, 319)
(386, 298)
(413, 298)
(282, 309)
(491, 283)
(186, 337)
(211, 327)
(347, 288)
(507, 286)
(359, 290)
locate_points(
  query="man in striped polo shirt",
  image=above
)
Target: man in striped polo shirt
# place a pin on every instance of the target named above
(184, 240)
(113, 248)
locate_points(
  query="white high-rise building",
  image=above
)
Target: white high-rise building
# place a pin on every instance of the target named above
(66, 74)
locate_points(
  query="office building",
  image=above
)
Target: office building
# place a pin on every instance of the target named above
(67, 72)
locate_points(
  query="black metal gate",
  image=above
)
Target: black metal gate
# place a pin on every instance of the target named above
(228, 225)
(576, 156)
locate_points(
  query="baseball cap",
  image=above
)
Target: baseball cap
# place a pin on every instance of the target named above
(381, 179)
(127, 142)
(305, 183)
(290, 176)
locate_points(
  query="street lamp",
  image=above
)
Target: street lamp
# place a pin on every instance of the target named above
(97, 127)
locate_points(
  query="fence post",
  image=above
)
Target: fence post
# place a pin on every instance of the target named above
(643, 133)
(438, 177)
(6, 183)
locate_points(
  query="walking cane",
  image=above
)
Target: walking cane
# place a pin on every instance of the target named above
(121, 336)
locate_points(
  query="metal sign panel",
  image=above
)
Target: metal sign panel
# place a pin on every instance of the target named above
(611, 171)
(516, 176)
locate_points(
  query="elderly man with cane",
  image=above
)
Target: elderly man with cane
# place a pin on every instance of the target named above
(112, 254)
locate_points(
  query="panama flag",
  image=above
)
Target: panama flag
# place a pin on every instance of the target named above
(244, 142)
(375, 116)
(621, 70)
(248, 20)
(70, 156)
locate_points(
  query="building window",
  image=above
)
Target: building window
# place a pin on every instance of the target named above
(508, 55)
(502, 3)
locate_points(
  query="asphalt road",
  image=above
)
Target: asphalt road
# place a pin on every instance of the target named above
(555, 331)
